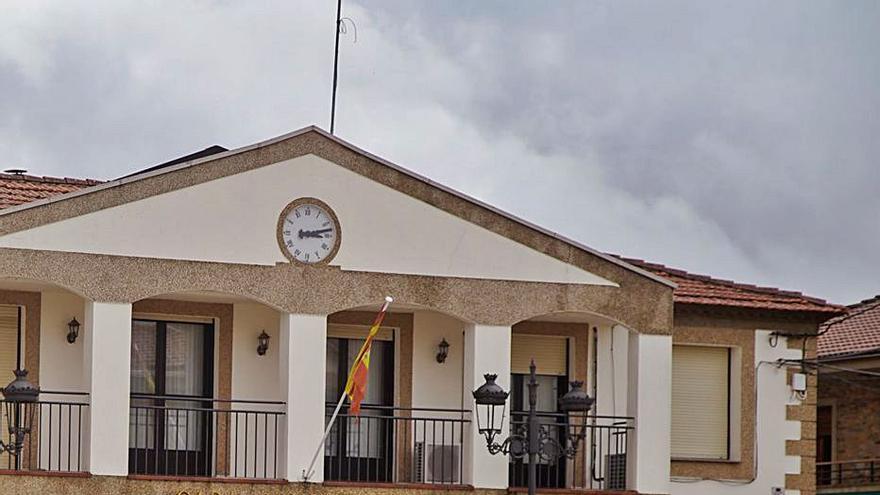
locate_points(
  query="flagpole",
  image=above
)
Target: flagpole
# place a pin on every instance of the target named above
(307, 473)
(335, 67)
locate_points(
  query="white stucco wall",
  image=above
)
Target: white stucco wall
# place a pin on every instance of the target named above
(774, 393)
(255, 377)
(61, 363)
(613, 369)
(649, 399)
(435, 384)
(235, 217)
(487, 350)
(107, 357)
(61, 370)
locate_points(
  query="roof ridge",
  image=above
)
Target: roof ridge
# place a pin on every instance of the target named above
(50, 179)
(728, 283)
(865, 302)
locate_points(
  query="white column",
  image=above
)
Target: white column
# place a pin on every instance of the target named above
(650, 402)
(107, 356)
(303, 351)
(486, 350)
(612, 370)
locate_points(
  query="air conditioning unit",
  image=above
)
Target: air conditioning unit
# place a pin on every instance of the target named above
(615, 472)
(437, 463)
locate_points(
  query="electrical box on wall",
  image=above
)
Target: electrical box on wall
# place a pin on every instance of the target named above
(799, 382)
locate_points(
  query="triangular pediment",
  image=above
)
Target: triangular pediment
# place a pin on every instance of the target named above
(225, 208)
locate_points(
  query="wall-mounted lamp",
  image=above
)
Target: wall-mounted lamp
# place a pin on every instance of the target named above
(263, 343)
(72, 330)
(442, 351)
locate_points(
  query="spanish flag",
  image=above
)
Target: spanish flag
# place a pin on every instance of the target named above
(356, 386)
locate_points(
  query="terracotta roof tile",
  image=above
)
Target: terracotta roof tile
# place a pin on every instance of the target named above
(702, 289)
(18, 189)
(856, 332)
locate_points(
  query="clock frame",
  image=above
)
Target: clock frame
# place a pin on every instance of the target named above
(279, 231)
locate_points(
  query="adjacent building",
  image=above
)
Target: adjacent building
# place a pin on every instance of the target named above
(191, 325)
(848, 426)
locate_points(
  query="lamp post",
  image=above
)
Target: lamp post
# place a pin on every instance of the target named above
(21, 403)
(534, 442)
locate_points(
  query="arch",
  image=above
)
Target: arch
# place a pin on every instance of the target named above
(36, 284)
(568, 316)
(398, 306)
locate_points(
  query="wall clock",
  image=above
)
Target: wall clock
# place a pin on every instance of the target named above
(308, 232)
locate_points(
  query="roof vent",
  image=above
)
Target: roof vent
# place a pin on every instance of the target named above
(15, 171)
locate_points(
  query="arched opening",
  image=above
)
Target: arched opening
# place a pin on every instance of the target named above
(572, 347)
(413, 420)
(205, 389)
(40, 325)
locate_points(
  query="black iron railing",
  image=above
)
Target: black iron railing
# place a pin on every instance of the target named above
(396, 444)
(55, 442)
(602, 451)
(191, 436)
(859, 472)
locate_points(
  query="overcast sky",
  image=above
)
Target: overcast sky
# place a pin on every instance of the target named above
(730, 139)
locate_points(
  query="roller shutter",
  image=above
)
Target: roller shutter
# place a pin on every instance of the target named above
(550, 354)
(700, 402)
(8, 349)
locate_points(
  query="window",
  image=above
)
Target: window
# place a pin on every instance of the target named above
(361, 448)
(700, 402)
(171, 435)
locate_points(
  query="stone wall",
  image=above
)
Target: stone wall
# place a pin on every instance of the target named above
(111, 485)
(855, 402)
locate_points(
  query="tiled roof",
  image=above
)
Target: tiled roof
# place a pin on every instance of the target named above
(856, 332)
(692, 288)
(705, 290)
(18, 189)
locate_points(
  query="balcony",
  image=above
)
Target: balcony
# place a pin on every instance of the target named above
(424, 445)
(603, 452)
(397, 445)
(55, 443)
(182, 436)
(853, 476)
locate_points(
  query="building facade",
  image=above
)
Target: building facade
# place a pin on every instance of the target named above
(222, 299)
(848, 426)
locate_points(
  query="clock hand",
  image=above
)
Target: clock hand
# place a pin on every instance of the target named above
(313, 233)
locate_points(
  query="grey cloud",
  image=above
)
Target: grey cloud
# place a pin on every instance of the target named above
(734, 139)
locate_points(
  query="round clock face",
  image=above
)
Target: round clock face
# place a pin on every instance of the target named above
(308, 231)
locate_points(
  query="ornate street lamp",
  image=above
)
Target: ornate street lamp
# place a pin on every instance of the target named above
(491, 402)
(21, 404)
(533, 441)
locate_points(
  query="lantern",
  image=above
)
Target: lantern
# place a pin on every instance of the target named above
(262, 343)
(21, 405)
(576, 401)
(491, 401)
(72, 330)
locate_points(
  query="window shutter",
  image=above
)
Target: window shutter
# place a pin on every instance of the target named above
(8, 347)
(343, 331)
(700, 406)
(8, 350)
(550, 354)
